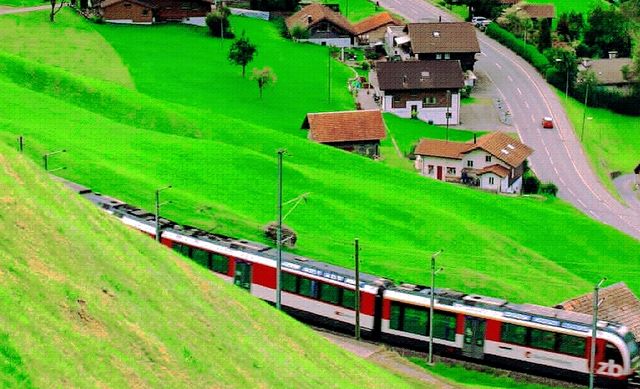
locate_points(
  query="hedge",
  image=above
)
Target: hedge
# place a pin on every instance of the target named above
(529, 52)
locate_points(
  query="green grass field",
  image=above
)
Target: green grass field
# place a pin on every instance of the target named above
(355, 10)
(610, 139)
(193, 123)
(87, 302)
(566, 6)
(21, 3)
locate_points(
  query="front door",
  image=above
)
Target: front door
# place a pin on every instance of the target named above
(439, 173)
(473, 343)
(242, 276)
(414, 111)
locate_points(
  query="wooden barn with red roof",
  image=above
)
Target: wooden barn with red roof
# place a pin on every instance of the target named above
(356, 131)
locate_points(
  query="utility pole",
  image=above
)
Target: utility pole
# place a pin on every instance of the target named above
(357, 302)
(21, 143)
(329, 77)
(584, 112)
(279, 235)
(432, 302)
(594, 328)
(158, 205)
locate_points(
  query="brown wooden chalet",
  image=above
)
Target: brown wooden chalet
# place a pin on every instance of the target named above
(372, 29)
(324, 25)
(442, 41)
(152, 11)
(357, 131)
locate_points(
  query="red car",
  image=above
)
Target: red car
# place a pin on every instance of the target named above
(547, 122)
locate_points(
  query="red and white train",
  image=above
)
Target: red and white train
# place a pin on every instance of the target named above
(546, 341)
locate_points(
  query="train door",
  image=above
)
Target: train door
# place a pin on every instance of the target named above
(473, 342)
(242, 276)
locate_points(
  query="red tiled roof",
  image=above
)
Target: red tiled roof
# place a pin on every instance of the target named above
(373, 22)
(619, 305)
(496, 169)
(539, 11)
(504, 147)
(331, 127)
(458, 37)
(317, 13)
(441, 148)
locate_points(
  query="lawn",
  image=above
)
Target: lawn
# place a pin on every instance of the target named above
(22, 3)
(87, 302)
(356, 10)
(610, 140)
(566, 6)
(219, 155)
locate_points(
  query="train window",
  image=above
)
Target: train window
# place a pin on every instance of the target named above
(543, 339)
(329, 293)
(396, 311)
(182, 249)
(573, 345)
(512, 333)
(289, 282)
(308, 287)
(414, 320)
(444, 325)
(201, 257)
(349, 298)
(611, 353)
(219, 263)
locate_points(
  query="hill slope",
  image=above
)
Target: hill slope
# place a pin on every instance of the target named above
(86, 302)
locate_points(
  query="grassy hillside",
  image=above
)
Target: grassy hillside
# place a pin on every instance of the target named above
(565, 6)
(218, 152)
(87, 303)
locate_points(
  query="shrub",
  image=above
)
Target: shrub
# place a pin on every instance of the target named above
(365, 65)
(218, 23)
(549, 188)
(531, 185)
(528, 52)
(466, 92)
(299, 32)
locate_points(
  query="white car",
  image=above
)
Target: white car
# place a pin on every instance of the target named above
(480, 21)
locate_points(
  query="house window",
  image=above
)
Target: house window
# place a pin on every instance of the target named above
(469, 163)
(430, 170)
(429, 100)
(491, 181)
(487, 158)
(447, 56)
(438, 56)
(451, 171)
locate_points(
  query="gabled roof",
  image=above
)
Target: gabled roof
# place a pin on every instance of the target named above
(441, 148)
(496, 169)
(503, 147)
(458, 37)
(509, 2)
(608, 71)
(346, 126)
(374, 22)
(539, 11)
(619, 305)
(314, 13)
(420, 75)
(148, 4)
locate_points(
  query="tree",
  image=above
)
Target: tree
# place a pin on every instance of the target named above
(241, 52)
(575, 24)
(218, 23)
(264, 77)
(608, 30)
(563, 63)
(54, 11)
(299, 32)
(544, 40)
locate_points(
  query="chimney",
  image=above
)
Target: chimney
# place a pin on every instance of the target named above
(404, 80)
(309, 19)
(474, 138)
(613, 54)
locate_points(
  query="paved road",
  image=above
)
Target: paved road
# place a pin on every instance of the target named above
(5, 11)
(558, 155)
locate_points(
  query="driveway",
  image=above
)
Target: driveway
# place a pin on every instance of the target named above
(8, 10)
(558, 155)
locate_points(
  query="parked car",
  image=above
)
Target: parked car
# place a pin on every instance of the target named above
(480, 21)
(547, 122)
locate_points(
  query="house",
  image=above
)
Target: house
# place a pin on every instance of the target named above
(608, 71)
(371, 31)
(357, 131)
(152, 11)
(619, 305)
(444, 41)
(493, 162)
(324, 26)
(538, 12)
(426, 90)
(397, 42)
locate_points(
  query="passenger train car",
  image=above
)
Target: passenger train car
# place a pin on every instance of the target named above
(534, 338)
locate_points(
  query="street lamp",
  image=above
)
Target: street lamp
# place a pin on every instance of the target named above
(46, 156)
(566, 87)
(594, 328)
(432, 302)
(584, 112)
(158, 205)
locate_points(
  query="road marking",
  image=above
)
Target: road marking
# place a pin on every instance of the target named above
(594, 214)
(526, 104)
(498, 65)
(533, 119)
(483, 54)
(561, 180)
(581, 203)
(519, 91)
(510, 79)
(570, 191)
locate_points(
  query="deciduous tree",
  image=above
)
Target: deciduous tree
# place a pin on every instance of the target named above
(264, 77)
(54, 11)
(241, 52)
(608, 30)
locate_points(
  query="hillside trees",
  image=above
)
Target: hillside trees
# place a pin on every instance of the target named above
(544, 39)
(274, 5)
(608, 30)
(241, 52)
(570, 26)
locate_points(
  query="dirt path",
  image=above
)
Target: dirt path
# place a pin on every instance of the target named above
(8, 10)
(389, 360)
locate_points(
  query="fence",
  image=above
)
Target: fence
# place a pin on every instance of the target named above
(250, 13)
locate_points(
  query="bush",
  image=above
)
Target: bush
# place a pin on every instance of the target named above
(531, 185)
(215, 19)
(299, 32)
(529, 52)
(365, 65)
(466, 92)
(549, 188)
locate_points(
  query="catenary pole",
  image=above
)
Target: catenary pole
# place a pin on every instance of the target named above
(432, 302)
(279, 235)
(594, 328)
(158, 211)
(357, 302)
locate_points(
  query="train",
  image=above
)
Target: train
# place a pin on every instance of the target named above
(525, 337)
